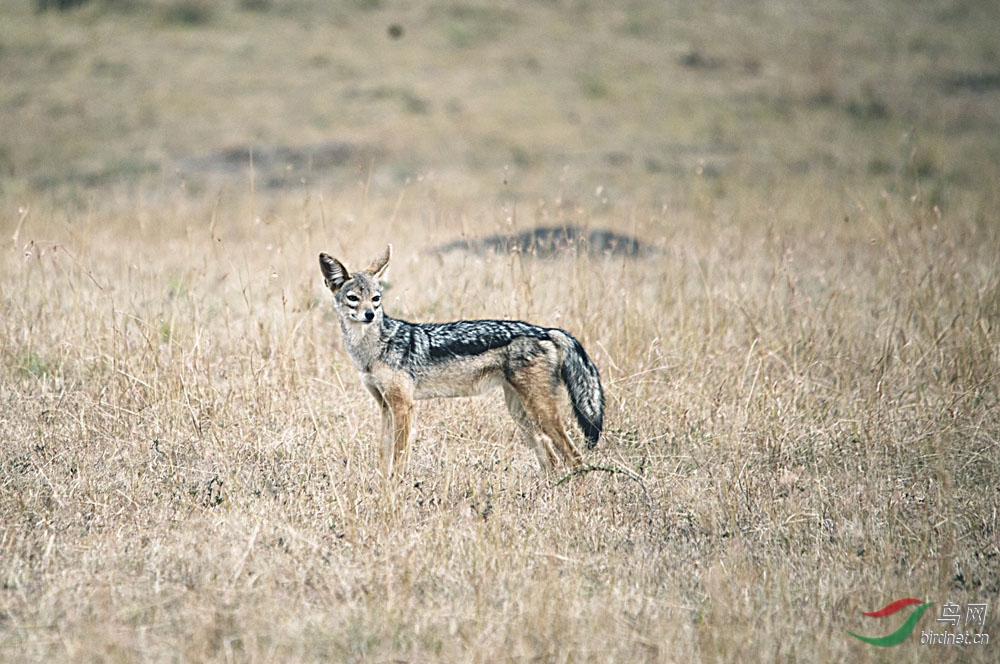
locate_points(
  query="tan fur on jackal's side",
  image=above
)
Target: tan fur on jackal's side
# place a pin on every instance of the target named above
(401, 362)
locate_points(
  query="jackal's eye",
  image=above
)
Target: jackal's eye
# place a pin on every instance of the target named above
(376, 298)
(352, 298)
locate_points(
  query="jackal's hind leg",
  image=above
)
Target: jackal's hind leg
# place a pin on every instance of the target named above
(541, 403)
(540, 445)
(554, 428)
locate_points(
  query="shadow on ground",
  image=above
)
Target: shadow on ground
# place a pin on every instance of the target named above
(554, 241)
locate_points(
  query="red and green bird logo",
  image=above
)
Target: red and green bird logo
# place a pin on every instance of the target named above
(900, 634)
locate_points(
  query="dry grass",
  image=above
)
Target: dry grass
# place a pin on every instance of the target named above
(802, 386)
(189, 466)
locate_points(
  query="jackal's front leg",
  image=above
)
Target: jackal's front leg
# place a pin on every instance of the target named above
(396, 403)
(398, 436)
(385, 433)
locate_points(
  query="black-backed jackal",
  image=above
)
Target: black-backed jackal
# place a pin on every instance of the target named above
(401, 362)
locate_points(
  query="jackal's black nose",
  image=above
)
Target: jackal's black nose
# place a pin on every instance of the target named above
(369, 315)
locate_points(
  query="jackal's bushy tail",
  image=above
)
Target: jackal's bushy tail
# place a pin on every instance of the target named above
(583, 383)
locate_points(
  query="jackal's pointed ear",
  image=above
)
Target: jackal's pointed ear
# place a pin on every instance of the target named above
(379, 264)
(334, 272)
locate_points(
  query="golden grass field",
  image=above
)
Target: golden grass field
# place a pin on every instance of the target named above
(803, 375)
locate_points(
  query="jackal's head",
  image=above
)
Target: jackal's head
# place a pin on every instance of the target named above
(357, 297)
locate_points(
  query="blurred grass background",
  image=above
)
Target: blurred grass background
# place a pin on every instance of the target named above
(639, 99)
